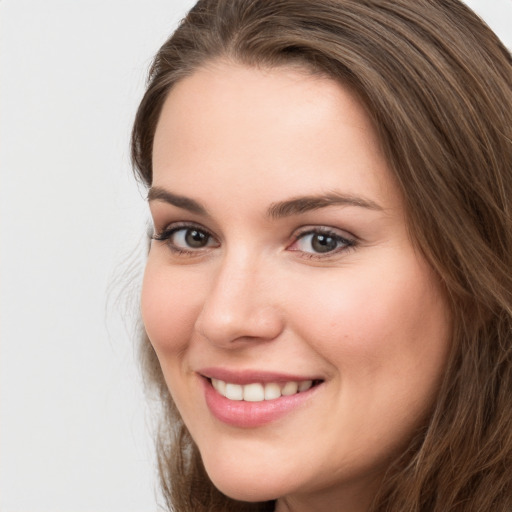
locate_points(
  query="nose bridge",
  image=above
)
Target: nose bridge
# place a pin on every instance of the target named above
(240, 303)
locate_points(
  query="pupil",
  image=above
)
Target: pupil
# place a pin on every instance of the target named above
(195, 238)
(323, 243)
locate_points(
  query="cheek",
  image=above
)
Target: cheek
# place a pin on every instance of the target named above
(381, 326)
(386, 338)
(168, 305)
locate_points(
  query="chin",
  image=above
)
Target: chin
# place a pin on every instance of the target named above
(243, 484)
(243, 490)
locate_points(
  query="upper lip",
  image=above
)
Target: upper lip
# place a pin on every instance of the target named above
(251, 376)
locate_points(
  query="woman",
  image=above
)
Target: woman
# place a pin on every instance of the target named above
(327, 298)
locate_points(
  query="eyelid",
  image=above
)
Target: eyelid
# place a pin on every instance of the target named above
(158, 234)
(342, 233)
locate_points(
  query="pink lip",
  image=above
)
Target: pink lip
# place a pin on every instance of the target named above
(242, 414)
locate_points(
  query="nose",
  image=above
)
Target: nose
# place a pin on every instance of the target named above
(241, 304)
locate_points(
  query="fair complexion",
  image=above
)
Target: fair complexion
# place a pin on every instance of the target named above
(282, 255)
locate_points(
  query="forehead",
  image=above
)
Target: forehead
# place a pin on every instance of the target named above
(253, 127)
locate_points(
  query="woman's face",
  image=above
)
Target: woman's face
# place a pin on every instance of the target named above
(284, 275)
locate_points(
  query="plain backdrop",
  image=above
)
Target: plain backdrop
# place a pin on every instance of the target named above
(75, 425)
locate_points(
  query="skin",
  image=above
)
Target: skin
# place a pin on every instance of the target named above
(370, 319)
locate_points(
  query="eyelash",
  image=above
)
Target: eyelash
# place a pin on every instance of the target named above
(347, 243)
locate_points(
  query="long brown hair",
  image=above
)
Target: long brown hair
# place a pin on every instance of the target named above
(437, 83)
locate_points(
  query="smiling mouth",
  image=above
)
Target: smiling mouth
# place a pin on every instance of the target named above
(257, 392)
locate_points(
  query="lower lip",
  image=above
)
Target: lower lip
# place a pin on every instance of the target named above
(240, 413)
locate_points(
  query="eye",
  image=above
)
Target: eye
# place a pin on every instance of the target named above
(186, 238)
(190, 238)
(318, 242)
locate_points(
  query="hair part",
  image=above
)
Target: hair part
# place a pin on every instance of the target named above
(436, 82)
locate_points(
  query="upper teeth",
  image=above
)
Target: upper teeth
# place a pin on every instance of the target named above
(258, 392)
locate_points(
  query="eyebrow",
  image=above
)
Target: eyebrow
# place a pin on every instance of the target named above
(304, 204)
(160, 194)
(294, 206)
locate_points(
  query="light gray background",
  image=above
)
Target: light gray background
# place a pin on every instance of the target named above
(75, 426)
